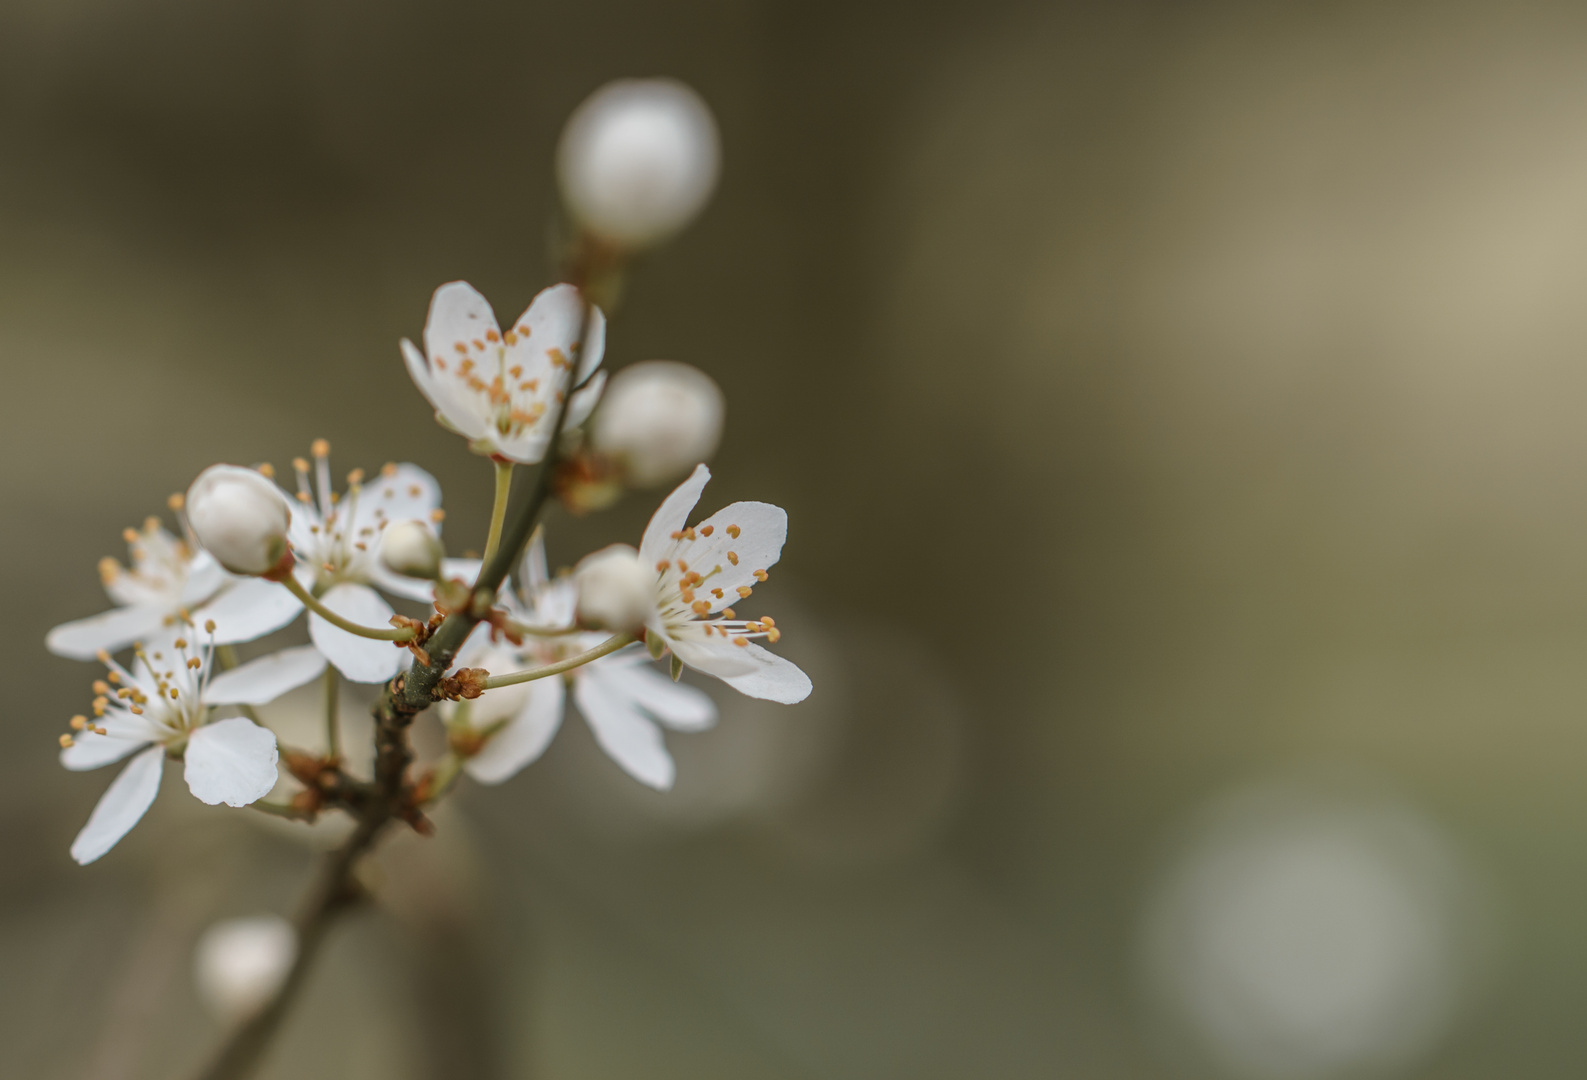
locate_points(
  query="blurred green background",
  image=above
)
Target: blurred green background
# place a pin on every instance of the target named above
(1167, 399)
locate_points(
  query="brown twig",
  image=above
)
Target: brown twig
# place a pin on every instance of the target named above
(391, 797)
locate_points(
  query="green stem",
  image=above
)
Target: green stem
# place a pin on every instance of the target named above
(498, 510)
(295, 587)
(282, 810)
(333, 708)
(610, 645)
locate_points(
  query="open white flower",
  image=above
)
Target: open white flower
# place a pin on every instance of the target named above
(623, 698)
(702, 569)
(502, 390)
(336, 537)
(162, 707)
(171, 582)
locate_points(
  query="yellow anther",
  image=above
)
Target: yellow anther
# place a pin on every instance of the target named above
(113, 676)
(108, 569)
(176, 501)
(768, 620)
(727, 613)
(66, 740)
(79, 722)
(717, 593)
(662, 565)
(741, 641)
(209, 626)
(438, 515)
(130, 535)
(320, 448)
(677, 534)
(773, 635)
(744, 591)
(355, 477)
(389, 469)
(683, 567)
(303, 497)
(267, 470)
(100, 704)
(707, 530)
(300, 464)
(135, 710)
(173, 693)
(99, 731)
(101, 686)
(194, 662)
(701, 607)
(759, 575)
(180, 643)
(732, 557)
(733, 531)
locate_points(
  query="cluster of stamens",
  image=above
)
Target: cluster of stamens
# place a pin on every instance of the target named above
(157, 562)
(686, 607)
(337, 546)
(177, 702)
(517, 402)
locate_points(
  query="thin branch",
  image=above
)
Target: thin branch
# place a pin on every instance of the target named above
(610, 645)
(313, 603)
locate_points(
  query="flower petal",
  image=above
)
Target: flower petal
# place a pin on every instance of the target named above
(121, 806)
(627, 735)
(261, 681)
(231, 761)
(594, 347)
(714, 656)
(81, 639)
(729, 562)
(361, 659)
(204, 576)
(584, 400)
(524, 737)
(405, 493)
(672, 515)
(774, 678)
(248, 608)
(90, 750)
(452, 408)
(680, 707)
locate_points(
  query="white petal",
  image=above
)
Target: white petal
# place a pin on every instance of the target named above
(524, 737)
(594, 346)
(774, 678)
(406, 493)
(680, 707)
(452, 408)
(93, 751)
(231, 761)
(464, 570)
(459, 316)
(672, 514)
(361, 659)
(261, 681)
(204, 576)
(762, 529)
(121, 806)
(400, 584)
(248, 608)
(631, 739)
(713, 655)
(82, 639)
(584, 400)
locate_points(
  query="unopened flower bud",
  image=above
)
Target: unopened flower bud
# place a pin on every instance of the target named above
(412, 549)
(658, 420)
(240, 963)
(241, 518)
(638, 160)
(615, 590)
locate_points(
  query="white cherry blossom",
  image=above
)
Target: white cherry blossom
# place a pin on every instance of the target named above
(622, 697)
(700, 571)
(170, 582)
(336, 538)
(161, 707)
(502, 390)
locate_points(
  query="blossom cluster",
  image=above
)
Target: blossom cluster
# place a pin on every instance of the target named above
(246, 551)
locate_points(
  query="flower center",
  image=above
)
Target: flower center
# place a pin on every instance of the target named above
(695, 584)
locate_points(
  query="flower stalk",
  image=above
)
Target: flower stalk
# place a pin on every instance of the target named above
(605, 648)
(399, 634)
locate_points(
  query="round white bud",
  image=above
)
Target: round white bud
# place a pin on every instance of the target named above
(240, 963)
(658, 420)
(240, 517)
(615, 590)
(638, 160)
(412, 549)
